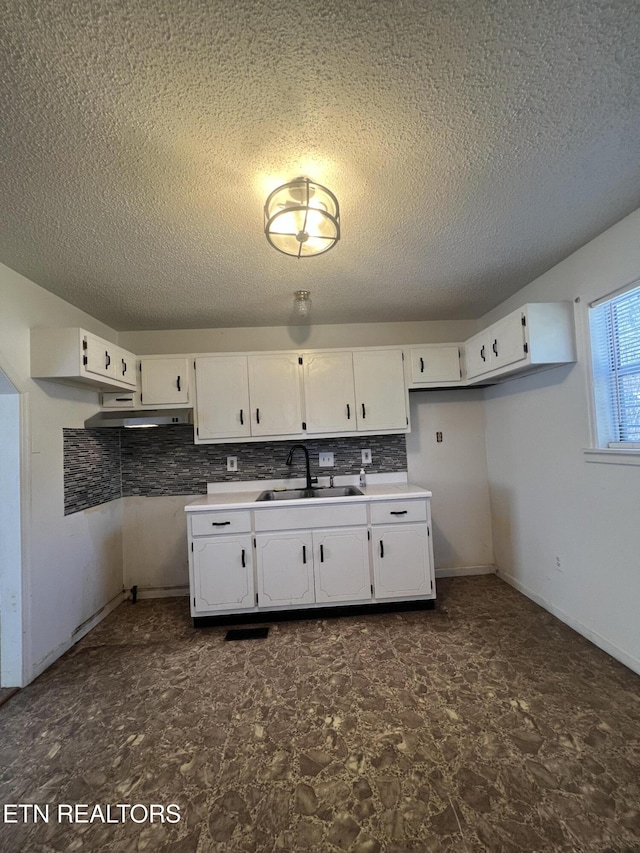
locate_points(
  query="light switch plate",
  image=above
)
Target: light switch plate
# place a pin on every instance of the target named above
(232, 463)
(366, 457)
(325, 460)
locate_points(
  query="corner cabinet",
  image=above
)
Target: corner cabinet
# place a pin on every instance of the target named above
(534, 337)
(281, 558)
(75, 356)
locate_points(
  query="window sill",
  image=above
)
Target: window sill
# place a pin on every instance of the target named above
(612, 455)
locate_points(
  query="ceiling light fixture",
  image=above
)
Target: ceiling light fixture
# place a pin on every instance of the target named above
(302, 218)
(302, 303)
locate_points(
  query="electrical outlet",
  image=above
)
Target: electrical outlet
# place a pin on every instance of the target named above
(325, 460)
(232, 463)
(366, 457)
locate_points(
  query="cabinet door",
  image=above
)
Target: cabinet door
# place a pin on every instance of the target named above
(124, 366)
(477, 352)
(507, 340)
(330, 403)
(223, 573)
(341, 565)
(401, 561)
(222, 397)
(435, 364)
(98, 356)
(165, 381)
(285, 568)
(275, 394)
(380, 390)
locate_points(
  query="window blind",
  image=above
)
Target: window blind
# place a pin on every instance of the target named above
(615, 347)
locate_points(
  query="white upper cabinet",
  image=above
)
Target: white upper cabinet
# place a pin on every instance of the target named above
(275, 394)
(433, 365)
(164, 381)
(330, 400)
(536, 336)
(79, 357)
(381, 400)
(222, 394)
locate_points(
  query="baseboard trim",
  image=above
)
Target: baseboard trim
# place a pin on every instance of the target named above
(162, 592)
(465, 571)
(597, 639)
(80, 632)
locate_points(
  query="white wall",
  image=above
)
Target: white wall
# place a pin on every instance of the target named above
(73, 565)
(455, 470)
(154, 542)
(547, 500)
(292, 337)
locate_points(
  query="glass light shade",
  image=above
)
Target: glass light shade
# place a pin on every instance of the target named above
(302, 303)
(302, 218)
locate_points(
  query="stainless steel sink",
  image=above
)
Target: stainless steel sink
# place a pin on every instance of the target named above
(298, 494)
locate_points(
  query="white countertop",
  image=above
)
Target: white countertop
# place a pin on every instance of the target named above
(233, 499)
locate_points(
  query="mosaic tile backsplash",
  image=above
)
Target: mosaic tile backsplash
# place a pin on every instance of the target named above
(92, 471)
(165, 461)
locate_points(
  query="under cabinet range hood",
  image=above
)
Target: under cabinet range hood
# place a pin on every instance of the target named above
(140, 419)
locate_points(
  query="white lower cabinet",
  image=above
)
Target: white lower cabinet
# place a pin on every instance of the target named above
(222, 573)
(313, 567)
(285, 569)
(304, 556)
(403, 561)
(341, 565)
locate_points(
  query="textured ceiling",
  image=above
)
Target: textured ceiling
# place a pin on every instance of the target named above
(472, 145)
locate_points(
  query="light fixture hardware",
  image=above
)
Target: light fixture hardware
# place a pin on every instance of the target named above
(302, 218)
(302, 303)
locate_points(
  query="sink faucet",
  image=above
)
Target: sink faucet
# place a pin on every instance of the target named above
(306, 456)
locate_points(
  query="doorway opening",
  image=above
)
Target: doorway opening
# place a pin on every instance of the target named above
(11, 636)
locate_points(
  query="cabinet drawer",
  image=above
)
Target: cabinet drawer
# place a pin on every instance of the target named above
(302, 517)
(207, 523)
(390, 512)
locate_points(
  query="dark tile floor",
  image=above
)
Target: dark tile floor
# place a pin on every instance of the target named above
(486, 725)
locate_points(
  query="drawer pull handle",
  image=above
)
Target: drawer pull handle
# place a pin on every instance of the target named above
(364, 412)
(241, 418)
(381, 548)
(482, 355)
(257, 416)
(107, 359)
(304, 553)
(243, 560)
(421, 365)
(124, 367)
(495, 347)
(322, 553)
(178, 383)
(400, 512)
(348, 412)
(220, 523)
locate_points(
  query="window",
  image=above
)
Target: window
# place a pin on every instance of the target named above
(615, 350)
